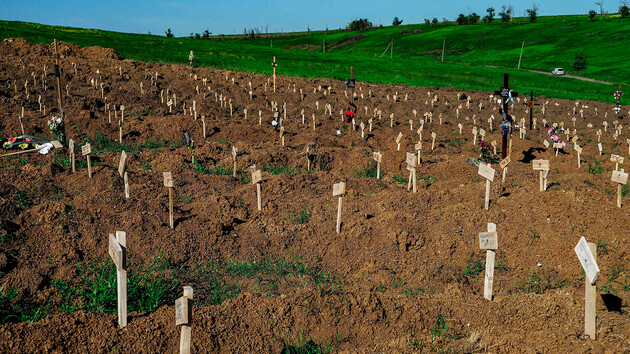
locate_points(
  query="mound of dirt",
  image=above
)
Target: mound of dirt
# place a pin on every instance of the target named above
(404, 274)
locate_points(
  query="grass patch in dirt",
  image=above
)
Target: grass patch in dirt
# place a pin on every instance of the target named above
(541, 281)
(15, 308)
(94, 289)
(367, 172)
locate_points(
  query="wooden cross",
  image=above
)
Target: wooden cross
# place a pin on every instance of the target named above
(486, 172)
(257, 179)
(621, 178)
(86, 150)
(543, 167)
(587, 254)
(71, 148)
(378, 157)
(168, 182)
(274, 73)
(411, 166)
(118, 254)
(234, 153)
(183, 316)
(505, 94)
(489, 241)
(339, 189)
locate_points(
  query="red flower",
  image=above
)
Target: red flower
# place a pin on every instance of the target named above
(11, 140)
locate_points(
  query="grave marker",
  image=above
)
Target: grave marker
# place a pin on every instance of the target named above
(234, 153)
(118, 254)
(183, 316)
(339, 189)
(543, 167)
(486, 172)
(433, 136)
(587, 254)
(622, 178)
(257, 179)
(489, 241)
(617, 160)
(504, 165)
(71, 148)
(122, 165)
(378, 157)
(398, 139)
(86, 150)
(578, 149)
(411, 166)
(168, 182)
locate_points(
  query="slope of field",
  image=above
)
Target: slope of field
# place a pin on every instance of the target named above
(405, 273)
(412, 67)
(549, 42)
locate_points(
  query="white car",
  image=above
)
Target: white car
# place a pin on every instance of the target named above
(558, 71)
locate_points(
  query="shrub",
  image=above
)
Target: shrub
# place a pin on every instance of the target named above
(580, 62)
(360, 24)
(532, 13)
(397, 22)
(490, 16)
(624, 10)
(592, 14)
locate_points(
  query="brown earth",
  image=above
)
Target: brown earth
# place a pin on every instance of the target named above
(399, 260)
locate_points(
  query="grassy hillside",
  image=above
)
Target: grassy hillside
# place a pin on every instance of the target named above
(550, 42)
(471, 52)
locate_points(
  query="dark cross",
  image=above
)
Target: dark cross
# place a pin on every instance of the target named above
(505, 94)
(352, 79)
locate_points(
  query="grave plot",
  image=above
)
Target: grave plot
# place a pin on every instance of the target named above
(295, 226)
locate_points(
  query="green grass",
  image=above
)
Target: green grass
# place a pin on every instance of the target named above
(476, 55)
(595, 169)
(95, 289)
(400, 179)
(368, 172)
(279, 169)
(15, 308)
(474, 268)
(302, 216)
(539, 282)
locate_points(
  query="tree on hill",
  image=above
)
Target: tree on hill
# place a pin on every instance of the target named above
(169, 34)
(624, 10)
(506, 13)
(360, 24)
(462, 20)
(397, 22)
(473, 18)
(592, 14)
(490, 16)
(580, 62)
(601, 6)
(206, 34)
(427, 22)
(435, 21)
(533, 13)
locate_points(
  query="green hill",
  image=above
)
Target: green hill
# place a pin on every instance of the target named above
(476, 56)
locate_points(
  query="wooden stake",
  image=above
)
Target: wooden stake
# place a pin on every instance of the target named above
(58, 75)
(168, 182)
(378, 157)
(274, 74)
(86, 150)
(339, 189)
(488, 173)
(234, 153)
(257, 179)
(71, 148)
(118, 254)
(183, 316)
(126, 180)
(489, 242)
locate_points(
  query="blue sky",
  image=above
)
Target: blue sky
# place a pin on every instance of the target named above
(230, 17)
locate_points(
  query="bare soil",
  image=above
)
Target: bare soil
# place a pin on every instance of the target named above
(400, 258)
